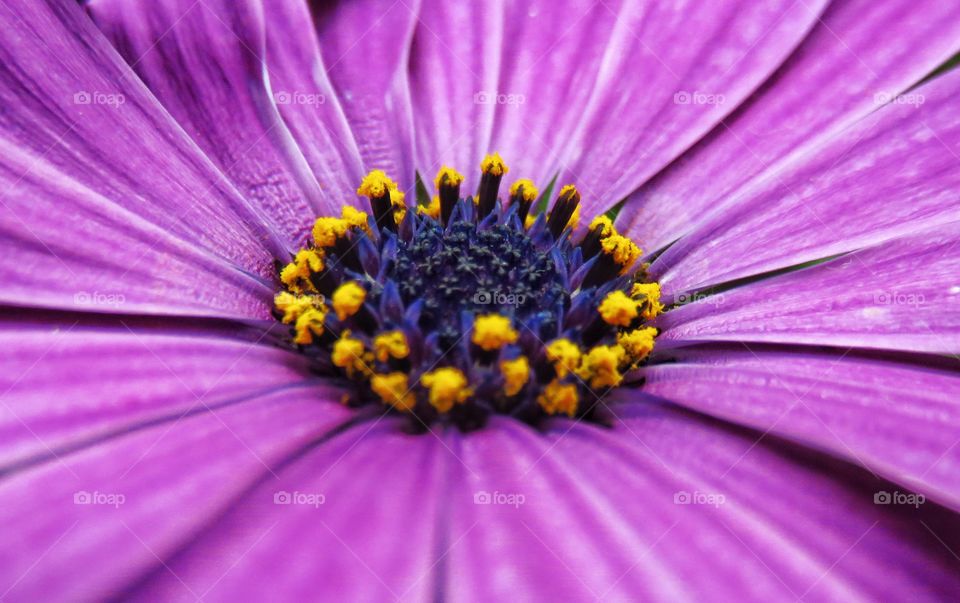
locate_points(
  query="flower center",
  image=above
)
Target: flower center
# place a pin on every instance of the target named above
(470, 306)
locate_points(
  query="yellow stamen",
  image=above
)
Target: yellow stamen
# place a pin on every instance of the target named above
(530, 192)
(308, 325)
(296, 274)
(355, 218)
(651, 294)
(516, 373)
(391, 344)
(618, 309)
(565, 356)
(604, 225)
(575, 218)
(293, 306)
(449, 176)
(637, 344)
(448, 386)
(347, 299)
(375, 184)
(399, 207)
(528, 222)
(327, 230)
(600, 366)
(493, 164)
(623, 251)
(348, 354)
(492, 332)
(432, 210)
(559, 397)
(393, 389)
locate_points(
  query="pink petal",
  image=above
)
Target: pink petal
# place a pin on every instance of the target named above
(842, 71)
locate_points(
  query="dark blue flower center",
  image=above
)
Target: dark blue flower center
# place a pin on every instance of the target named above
(465, 269)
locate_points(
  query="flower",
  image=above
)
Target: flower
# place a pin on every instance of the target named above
(179, 402)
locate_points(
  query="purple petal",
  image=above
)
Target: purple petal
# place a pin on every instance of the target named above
(72, 380)
(99, 255)
(551, 56)
(308, 102)
(72, 106)
(205, 62)
(900, 295)
(841, 72)
(456, 55)
(891, 174)
(670, 74)
(602, 518)
(366, 48)
(898, 421)
(360, 525)
(78, 540)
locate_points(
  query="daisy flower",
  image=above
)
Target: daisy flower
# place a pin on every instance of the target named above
(514, 300)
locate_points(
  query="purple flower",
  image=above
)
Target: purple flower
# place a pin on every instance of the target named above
(789, 169)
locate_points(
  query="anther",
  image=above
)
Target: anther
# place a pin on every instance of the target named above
(377, 187)
(522, 194)
(493, 169)
(563, 210)
(448, 183)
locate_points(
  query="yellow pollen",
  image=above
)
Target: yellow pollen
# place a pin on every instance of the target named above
(604, 225)
(565, 356)
(530, 192)
(575, 218)
(516, 373)
(448, 386)
(391, 344)
(618, 309)
(637, 344)
(393, 389)
(347, 299)
(348, 354)
(375, 184)
(293, 306)
(493, 164)
(355, 218)
(651, 294)
(399, 206)
(432, 210)
(600, 366)
(568, 189)
(623, 251)
(327, 230)
(296, 274)
(528, 222)
(449, 175)
(492, 332)
(308, 325)
(559, 397)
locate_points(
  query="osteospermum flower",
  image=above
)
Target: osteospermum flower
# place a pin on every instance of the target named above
(347, 300)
